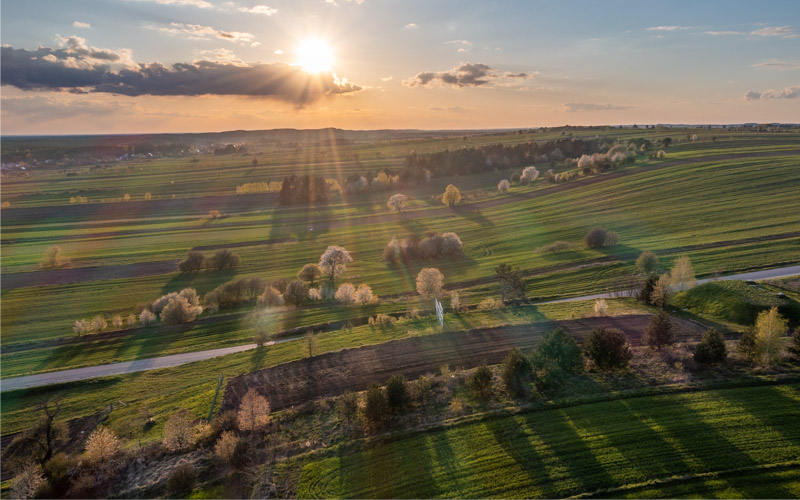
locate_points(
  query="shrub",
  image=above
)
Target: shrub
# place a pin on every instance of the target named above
(334, 260)
(226, 446)
(555, 247)
(346, 294)
(53, 258)
(560, 348)
(146, 317)
(397, 394)
(81, 327)
(310, 273)
(182, 480)
(481, 381)
(607, 348)
(347, 406)
(770, 327)
(647, 262)
(27, 482)
(376, 406)
(223, 259)
(261, 337)
(451, 245)
(503, 186)
(253, 411)
(235, 293)
(178, 432)
(598, 238)
(148, 196)
(193, 262)
(99, 323)
(382, 319)
(296, 292)
(489, 304)
(451, 196)
(179, 311)
(600, 307)
(314, 294)
(130, 320)
(214, 214)
(711, 348)
(270, 298)
(101, 446)
(363, 294)
(747, 344)
(429, 282)
(659, 332)
(516, 372)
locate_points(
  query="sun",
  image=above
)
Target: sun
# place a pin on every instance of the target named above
(315, 56)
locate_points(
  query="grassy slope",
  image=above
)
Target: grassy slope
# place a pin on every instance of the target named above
(582, 449)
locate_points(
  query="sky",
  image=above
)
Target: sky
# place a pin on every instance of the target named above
(146, 66)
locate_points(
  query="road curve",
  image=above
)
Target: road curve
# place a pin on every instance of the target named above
(90, 372)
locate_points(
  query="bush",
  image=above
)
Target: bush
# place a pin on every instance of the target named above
(503, 186)
(310, 273)
(794, 344)
(81, 327)
(516, 372)
(481, 381)
(747, 344)
(296, 292)
(363, 294)
(647, 262)
(560, 348)
(376, 406)
(116, 321)
(529, 174)
(27, 482)
(226, 446)
(598, 238)
(179, 311)
(397, 394)
(53, 259)
(99, 323)
(490, 303)
(347, 406)
(214, 214)
(182, 480)
(607, 348)
(223, 259)
(600, 307)
(270, 298)
(178, 432)
(314, 294)
(193, 262)
(346, 294)
(711, 348)
(146, 317)
(423, 390)
(659, 332)
(253, 411)
(101, 446)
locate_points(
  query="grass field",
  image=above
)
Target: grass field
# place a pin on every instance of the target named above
(586, 449)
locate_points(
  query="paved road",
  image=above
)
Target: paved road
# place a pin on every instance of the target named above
(139, 365)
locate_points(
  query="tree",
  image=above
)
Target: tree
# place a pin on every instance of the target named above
(253, 411)
(311, 344)
(503, 186)
(363, 294)
(126, 197)
(512, 283)
(310, 273)
(429, 282)
(182, 480)
(397, 394)
(116, 321)
(347, 406)
(516, 372)
(659, 332)
(600, 307)
(376, 406)
(397, 202)
(147, 317)
(455, 301)
(794, 345)
(599, 237)
(225, 448)
(711, 348)
(178, 431)
(81, 327)
(662, 292)
(270, 298)
(53, 258)
(647, 262)
(102, 445)
(223, 259)
(481, 381)
(27, 482)
(148, 196)
(607, 348)
(451, 196)
(561, 349)
(770, 327)
(193, 262)
(529, 174)
(296, 292)
(666, 141)
(450, 245)
(99, 323)
(747, 344)
(48, 432)
(179, 311)
(682, 274)
(346, 294)
(334, 260)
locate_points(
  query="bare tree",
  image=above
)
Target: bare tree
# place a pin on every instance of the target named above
(178, 431)
(253, 411)
(682, 274)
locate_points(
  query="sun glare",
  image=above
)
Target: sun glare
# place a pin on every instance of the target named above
(315, 56)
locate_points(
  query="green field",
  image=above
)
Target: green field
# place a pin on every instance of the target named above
(612, 448)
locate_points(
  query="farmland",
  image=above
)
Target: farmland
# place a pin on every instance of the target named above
(726, 200)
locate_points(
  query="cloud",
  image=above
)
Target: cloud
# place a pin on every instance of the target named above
(773, 31)
(78, 69)
(573, 107)
(386, 79)
(200, 32)
(278, 52)
(724, 33)
(466, 75)
(775, 63)
(791, 92)
(411, 26)
(196, 3)
(667, 28)
(78, 24)
(259, 9)
(452, 109)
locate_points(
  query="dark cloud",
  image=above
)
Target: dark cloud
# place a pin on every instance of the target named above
(466, 75)
(584, 106)
(80, 69)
